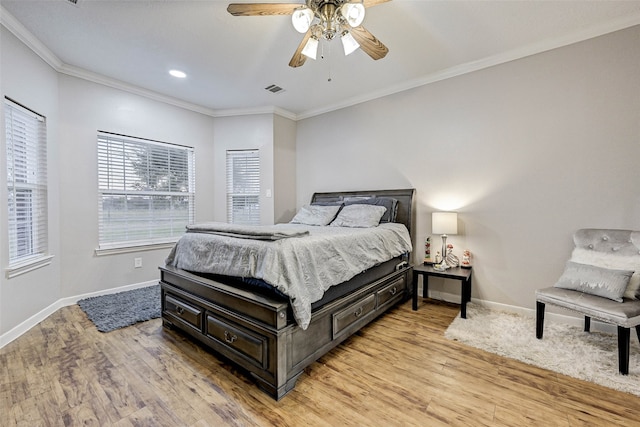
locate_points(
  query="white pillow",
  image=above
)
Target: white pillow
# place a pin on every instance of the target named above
(359, 216)
(315, 215)
(614, 262)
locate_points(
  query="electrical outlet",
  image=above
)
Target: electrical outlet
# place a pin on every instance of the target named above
(137, 262)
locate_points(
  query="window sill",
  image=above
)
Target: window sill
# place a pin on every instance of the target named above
(27, 266)
(136, 248)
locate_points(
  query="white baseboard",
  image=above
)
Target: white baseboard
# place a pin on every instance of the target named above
(568, 318)
(552, 314)
(32, 321)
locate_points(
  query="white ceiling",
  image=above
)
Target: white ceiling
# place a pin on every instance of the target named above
(230, 60)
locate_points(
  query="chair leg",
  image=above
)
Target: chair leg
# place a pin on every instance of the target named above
(539, 319)
(587, 323)
(638, 331)
(624, 335)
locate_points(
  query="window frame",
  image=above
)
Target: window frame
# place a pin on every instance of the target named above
(251, 191)
(26, 172)
(116, 181)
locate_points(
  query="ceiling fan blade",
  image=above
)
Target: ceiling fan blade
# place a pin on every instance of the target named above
(262, 9)
(298, 59)
(369, 43)
(369, 3)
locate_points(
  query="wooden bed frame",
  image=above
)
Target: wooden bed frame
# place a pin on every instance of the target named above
(258, 333)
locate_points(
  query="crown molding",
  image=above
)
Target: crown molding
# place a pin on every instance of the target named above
(469, 67)
(17, 29)
(117, 84)
(258, 110)
(25, 36)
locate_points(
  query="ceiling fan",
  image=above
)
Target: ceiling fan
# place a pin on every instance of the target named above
(325, 19)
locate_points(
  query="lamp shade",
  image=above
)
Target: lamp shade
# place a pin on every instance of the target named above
(301, 19)
(353, 13)
(310, 49)
(444, 223)
(349, 44)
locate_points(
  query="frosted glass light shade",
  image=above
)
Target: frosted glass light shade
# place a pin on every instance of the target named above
(444, 223)
(348, 43)
(353, 13)
(310, 49)
(301, 19)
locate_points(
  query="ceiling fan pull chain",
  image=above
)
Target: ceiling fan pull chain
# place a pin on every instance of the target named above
(328, 59)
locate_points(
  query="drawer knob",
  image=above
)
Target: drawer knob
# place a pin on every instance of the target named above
(358, 312)
(393, 290)
(179, 310)
(229, 337)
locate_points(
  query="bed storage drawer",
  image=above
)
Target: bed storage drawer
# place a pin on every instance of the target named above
(391, 292)
(241, 341)
(183, 311)
(353, 314)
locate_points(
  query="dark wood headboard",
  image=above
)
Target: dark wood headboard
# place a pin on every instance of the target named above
(404, 197)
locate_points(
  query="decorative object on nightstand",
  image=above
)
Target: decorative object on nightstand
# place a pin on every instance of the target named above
(427, 251)
(466, 259)
(440, 266)
(451, 259)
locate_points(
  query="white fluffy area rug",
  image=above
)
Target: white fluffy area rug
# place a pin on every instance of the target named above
(564, 348)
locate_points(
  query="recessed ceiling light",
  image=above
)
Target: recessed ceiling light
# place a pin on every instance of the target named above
(177, 73)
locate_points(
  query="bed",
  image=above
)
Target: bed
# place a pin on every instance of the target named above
(261, 330)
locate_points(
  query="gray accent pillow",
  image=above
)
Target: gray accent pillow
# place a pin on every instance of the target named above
(315, 215)
(602, 282)
(388, 202)
(359, 216)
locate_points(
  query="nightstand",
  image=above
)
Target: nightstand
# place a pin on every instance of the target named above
(457, 273)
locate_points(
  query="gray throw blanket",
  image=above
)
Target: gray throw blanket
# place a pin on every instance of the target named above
(258, 232)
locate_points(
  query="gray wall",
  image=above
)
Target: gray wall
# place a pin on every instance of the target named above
(85, 108)
(526, 152)
(284, 169)
(76, 109)
(29, 81)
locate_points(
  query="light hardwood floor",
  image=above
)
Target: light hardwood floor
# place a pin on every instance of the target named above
(399, 371)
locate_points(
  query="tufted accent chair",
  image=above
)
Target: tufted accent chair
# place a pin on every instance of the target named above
(605, 250)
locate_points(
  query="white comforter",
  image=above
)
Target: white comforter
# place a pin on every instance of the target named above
(302, 268)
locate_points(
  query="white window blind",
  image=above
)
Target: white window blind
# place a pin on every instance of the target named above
(243, 186)
(147, 191)
(26, 139)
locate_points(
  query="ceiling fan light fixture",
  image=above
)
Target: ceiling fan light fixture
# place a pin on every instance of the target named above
(353, 13)
(349, 44)
(301, 19)
(310, 49)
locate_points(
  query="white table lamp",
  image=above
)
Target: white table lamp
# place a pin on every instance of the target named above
(444, 223)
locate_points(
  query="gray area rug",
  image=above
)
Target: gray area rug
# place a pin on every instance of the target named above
(564, 348)
(114, 311)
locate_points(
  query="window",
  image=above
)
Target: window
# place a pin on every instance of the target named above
(243, 186)
(26, 138)
(147, 191)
